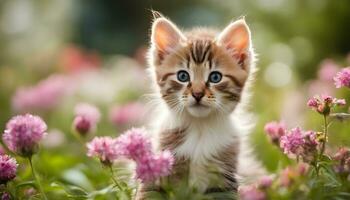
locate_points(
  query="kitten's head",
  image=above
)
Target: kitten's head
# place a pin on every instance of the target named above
(200, 72)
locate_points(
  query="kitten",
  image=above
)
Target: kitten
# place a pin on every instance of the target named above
(202, 77)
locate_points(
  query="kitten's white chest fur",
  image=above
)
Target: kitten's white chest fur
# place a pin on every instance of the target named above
(204, 141)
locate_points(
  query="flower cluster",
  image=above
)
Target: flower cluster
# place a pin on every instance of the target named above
(8, 168)
(275, 130)
(150, 167)
(290, 175)
(295, 142)
(103, 148)
(342, 158)
(323, 104)
(86, 118)
(23, 134)
(43, 96)
(267, 185)
(300, 143)
(134, 145)
(342, 79)
(126, 114)
(5, 196)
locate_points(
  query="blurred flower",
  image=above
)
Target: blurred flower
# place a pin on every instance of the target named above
(127, 114)
(275, 130)
(292, 142)
(342, 154)
(5, 196)
(250, 192)
(134, 144)
(2, 150)
(43, 96)
(55, 138)
(324, 103)
(29, 193)
(265, 182)
(342, 158)
(104, 148)
(86, 118)
(151, 167)
(288, 176)
(327, 70)
(302, 168)
(23, 134)
(74, 59)
(342, 79)
(320, 87)
(8, 168)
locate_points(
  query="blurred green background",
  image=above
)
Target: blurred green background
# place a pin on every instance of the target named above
(99, 46)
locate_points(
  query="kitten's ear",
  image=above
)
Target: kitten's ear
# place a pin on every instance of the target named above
(165, 37)
(236, 39)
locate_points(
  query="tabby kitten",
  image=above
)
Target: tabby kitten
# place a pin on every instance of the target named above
(201, 76)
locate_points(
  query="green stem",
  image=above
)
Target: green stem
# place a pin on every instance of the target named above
(114, 180)
(325, 132)
(37, 179)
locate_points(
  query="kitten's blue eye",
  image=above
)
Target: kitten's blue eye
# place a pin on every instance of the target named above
(183, 76)
(215, 77)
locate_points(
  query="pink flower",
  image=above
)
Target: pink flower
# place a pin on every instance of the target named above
(310, 146)
(323, 104)
(134, 144)
(300, 143)
(327, 71)
(23, 134)
(340, 102)
(292, 142)
(8, 168)
(104, 148)
(342, 154)
(45, 95)
(342, 79)
(265, 182)
(151, 167)
(86, 118)
(302, 169)
(127, 114)
(250, 192)
(5, 196)
(75, 59)
(275, 130)
(312, 102)
(288, 176)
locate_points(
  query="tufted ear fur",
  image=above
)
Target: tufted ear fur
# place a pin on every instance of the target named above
(237, 40)
(165, 37)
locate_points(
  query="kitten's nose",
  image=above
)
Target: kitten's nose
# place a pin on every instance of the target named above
(198, 95)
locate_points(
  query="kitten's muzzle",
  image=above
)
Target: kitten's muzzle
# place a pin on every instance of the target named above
(198, 96)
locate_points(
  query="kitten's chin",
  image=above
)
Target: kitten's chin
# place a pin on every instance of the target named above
(199, 111)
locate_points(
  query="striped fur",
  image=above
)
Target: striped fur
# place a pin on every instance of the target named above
(205, 135)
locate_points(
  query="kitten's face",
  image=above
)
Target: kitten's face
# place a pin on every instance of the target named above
(200, 73)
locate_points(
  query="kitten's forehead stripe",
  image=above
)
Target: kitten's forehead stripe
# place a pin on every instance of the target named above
(210, 57)
(199, 50)
(188, 59)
